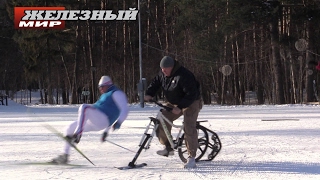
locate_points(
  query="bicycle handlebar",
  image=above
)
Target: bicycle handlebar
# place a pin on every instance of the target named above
(161, 105)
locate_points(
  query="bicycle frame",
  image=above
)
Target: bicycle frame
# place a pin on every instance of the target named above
(162, 118)
(154, 123)
(177, 143)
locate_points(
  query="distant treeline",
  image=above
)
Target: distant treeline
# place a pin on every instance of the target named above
(232, 46)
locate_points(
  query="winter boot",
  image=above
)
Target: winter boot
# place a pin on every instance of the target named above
(61, 159)
(191, 163)
(168, 151)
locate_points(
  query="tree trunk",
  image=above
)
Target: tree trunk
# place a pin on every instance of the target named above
(276, 62)
(309, 57)
(124, 31)
(258, 80)
(77, 58)
(48, 76)
(235, 72)
(92, 63)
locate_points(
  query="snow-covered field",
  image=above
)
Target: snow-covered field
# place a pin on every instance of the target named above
(258, 142)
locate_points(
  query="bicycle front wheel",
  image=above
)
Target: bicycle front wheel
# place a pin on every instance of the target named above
(202, 145)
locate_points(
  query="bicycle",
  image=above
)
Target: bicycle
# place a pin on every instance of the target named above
(178, 143)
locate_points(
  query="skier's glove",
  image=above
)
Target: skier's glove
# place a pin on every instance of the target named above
(116, 126)
(104, 136)
(74, 139)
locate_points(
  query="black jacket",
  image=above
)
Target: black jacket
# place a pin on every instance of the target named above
(180, 89)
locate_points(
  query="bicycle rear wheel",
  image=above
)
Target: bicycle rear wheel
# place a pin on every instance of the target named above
(202, 141)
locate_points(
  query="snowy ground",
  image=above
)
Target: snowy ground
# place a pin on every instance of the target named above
(258, 142)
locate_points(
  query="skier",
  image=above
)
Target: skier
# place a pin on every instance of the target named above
(108, 112)
(182, 92)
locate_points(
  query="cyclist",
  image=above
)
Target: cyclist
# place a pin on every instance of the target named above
(182, 91)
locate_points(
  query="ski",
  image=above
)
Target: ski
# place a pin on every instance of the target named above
(56, 132)
(132, 167)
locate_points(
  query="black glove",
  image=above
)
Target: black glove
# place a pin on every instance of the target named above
(104, 136)
(73, 139)
(77, 138)
(116, 126)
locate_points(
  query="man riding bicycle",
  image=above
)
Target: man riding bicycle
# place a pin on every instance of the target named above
(182, 91)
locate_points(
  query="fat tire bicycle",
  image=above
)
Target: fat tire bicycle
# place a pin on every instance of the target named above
(207, 139)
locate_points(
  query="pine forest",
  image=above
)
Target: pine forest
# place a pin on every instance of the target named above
(267, 47)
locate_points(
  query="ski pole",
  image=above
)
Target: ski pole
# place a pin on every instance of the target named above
(120, 146)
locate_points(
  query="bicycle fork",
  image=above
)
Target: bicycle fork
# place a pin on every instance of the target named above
(150, 132)
(146, 139)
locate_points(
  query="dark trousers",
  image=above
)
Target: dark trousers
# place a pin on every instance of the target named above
(190, 115)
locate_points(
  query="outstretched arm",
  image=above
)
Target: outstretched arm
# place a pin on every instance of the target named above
(121, 102)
